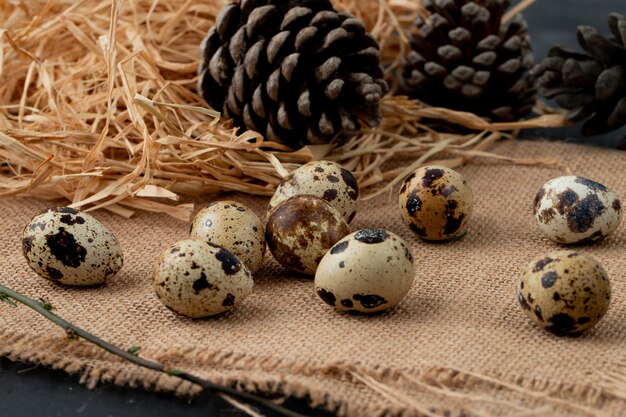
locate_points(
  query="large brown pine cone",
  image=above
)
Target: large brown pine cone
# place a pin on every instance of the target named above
(464, 58)
(590, 85)
(296, 71)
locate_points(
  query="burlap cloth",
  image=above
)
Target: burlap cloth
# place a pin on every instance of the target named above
(458, 343)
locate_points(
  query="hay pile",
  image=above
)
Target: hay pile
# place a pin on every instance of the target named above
(98, 106)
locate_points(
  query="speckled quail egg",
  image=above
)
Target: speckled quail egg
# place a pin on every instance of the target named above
(235, 227)
(436, 203)
(324, 179)
(367, 271)
(576, 210)
(301, 229)
(197, 279)
(564, 292)
(70, 247)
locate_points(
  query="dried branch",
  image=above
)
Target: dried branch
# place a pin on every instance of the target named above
(44, 308)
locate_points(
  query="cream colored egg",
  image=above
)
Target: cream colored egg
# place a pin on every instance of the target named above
(70, 247)
(367, 271)
(575, 210)
(301, 229)
(564, 292)
(436, 203)
(323, 179)
(235, 227)
(200, 279)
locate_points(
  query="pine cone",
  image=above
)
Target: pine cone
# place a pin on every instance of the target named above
(295, 71)
(590, 85)
(464, 58)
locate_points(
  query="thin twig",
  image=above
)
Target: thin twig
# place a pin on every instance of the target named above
(521, 6)
(137, 360)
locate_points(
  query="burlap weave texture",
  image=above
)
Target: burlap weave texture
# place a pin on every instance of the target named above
(459, 341)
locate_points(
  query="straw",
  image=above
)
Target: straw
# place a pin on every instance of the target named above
(98, 106)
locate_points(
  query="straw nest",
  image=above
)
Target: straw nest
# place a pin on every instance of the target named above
(98, 106)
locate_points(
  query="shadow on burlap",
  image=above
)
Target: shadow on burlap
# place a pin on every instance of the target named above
(458, 342)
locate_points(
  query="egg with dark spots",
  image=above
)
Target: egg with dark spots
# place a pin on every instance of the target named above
(197, 279)
(367, 271)
(233, 226)
(436, 203)
(70, 247)
(301, 229)
(564, 292)
(576, 210)
(324, 179)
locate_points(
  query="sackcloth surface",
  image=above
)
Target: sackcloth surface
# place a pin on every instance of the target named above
(458, 344)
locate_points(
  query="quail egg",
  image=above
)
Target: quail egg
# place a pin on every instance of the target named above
(436, 203)
(367, 271)
(564, 292)
(576, 210)
(235, 227)
(69, 247)
(324, 179)
(197, 279)
(301, 229)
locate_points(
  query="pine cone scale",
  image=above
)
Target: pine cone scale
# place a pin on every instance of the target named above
(617, 118)
(289, 66)
(258, 101)
(579, 74)
(333, 88)
(294, 17)
(489, 43)
(460, 36)
(598, 46)
(611, 83)
(273, 85)
(238, 87)
(485, 59)
(304, 104)
(277, 46)
(260, 19)
(218, 66)
(226, 20)
(481, 78)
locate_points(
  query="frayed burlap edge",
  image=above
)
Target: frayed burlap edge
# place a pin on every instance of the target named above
(459, 389)
(614, 381)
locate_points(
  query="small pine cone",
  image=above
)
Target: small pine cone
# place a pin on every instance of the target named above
(464, 58)
(590, 85)
(296, 71)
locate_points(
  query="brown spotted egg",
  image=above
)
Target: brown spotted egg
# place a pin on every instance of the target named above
(576, 210)
(564, 292)
(197, 279)
(70, 247)
(324, 179)
(436, 203)
(367, 271)
(235, 227)
(301, 229)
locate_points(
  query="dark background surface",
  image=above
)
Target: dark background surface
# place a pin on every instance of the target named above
(27, 390)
